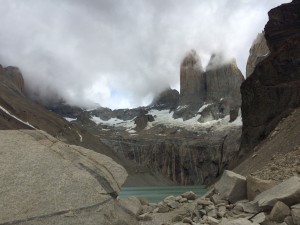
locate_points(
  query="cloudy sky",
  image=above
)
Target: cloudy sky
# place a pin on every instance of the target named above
(121, 53)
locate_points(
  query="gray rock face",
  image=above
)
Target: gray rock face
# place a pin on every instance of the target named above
(256, 186)
(240, 221)
(219, 86)
(232, 186)
(192, 86)
(296, 213)
(287, 192)
(258, 51)
(57, 183)
(15, 75)
(279, 212)
(185, 158)
(223, 81)
(192, 83)
(132, 204)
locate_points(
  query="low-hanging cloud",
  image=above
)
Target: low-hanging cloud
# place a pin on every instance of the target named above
(120, 53)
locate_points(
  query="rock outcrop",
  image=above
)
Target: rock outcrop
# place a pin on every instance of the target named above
(167, 99)
(213, 209)
(219, 87)
(192, 86)
(258, 51)
(192, 82)
(46, 181)
(15, 75)
(191, 158)
(274, 86)
(223, 81)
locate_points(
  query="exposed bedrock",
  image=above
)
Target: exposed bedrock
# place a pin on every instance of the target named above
(167, 99)
(258, 51)
(196, 159)
(219, 85)
(192, 83)
(46, 181)
(273, 89)
(14, 75)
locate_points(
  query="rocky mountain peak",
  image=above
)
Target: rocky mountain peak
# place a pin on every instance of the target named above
(192, 81)
(168, 99)
(283, 24)
(192, 59)
(223, 80)
(258, 51)
(273, 88)
(14, 75)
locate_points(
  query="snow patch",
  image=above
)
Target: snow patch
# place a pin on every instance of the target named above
(114, 122)
(80, 136)
(131, 131)
(26, 123)
(69, 119)
(203, 107)
(182, 107)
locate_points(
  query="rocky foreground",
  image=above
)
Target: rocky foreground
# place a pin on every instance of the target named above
(234, 200)
(46, 181)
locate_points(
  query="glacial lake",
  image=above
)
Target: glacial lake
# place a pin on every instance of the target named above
(156, 194)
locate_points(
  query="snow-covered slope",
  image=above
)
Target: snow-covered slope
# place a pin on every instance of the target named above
(165, 117)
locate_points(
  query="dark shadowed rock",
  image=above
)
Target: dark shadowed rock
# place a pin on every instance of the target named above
(279, 212)
(258, 51)
(167, 99)
(142, 120)
(214, 111)
(274, 86)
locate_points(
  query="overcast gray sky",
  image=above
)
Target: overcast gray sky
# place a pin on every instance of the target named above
(120, 53)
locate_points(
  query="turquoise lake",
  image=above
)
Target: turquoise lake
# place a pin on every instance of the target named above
(157, 193)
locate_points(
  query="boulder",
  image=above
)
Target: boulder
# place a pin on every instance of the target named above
(256, 186)
(295, 210)
(287, 192)
(132, 204)
(212, 221)
(163, 208)
(248, 207)
(189, 195)
(240, 221)
(279, 212)
(57, 183)
(145, 217)
(232, 186)
(259, 218)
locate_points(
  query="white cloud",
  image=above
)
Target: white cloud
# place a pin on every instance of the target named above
(121, 53)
